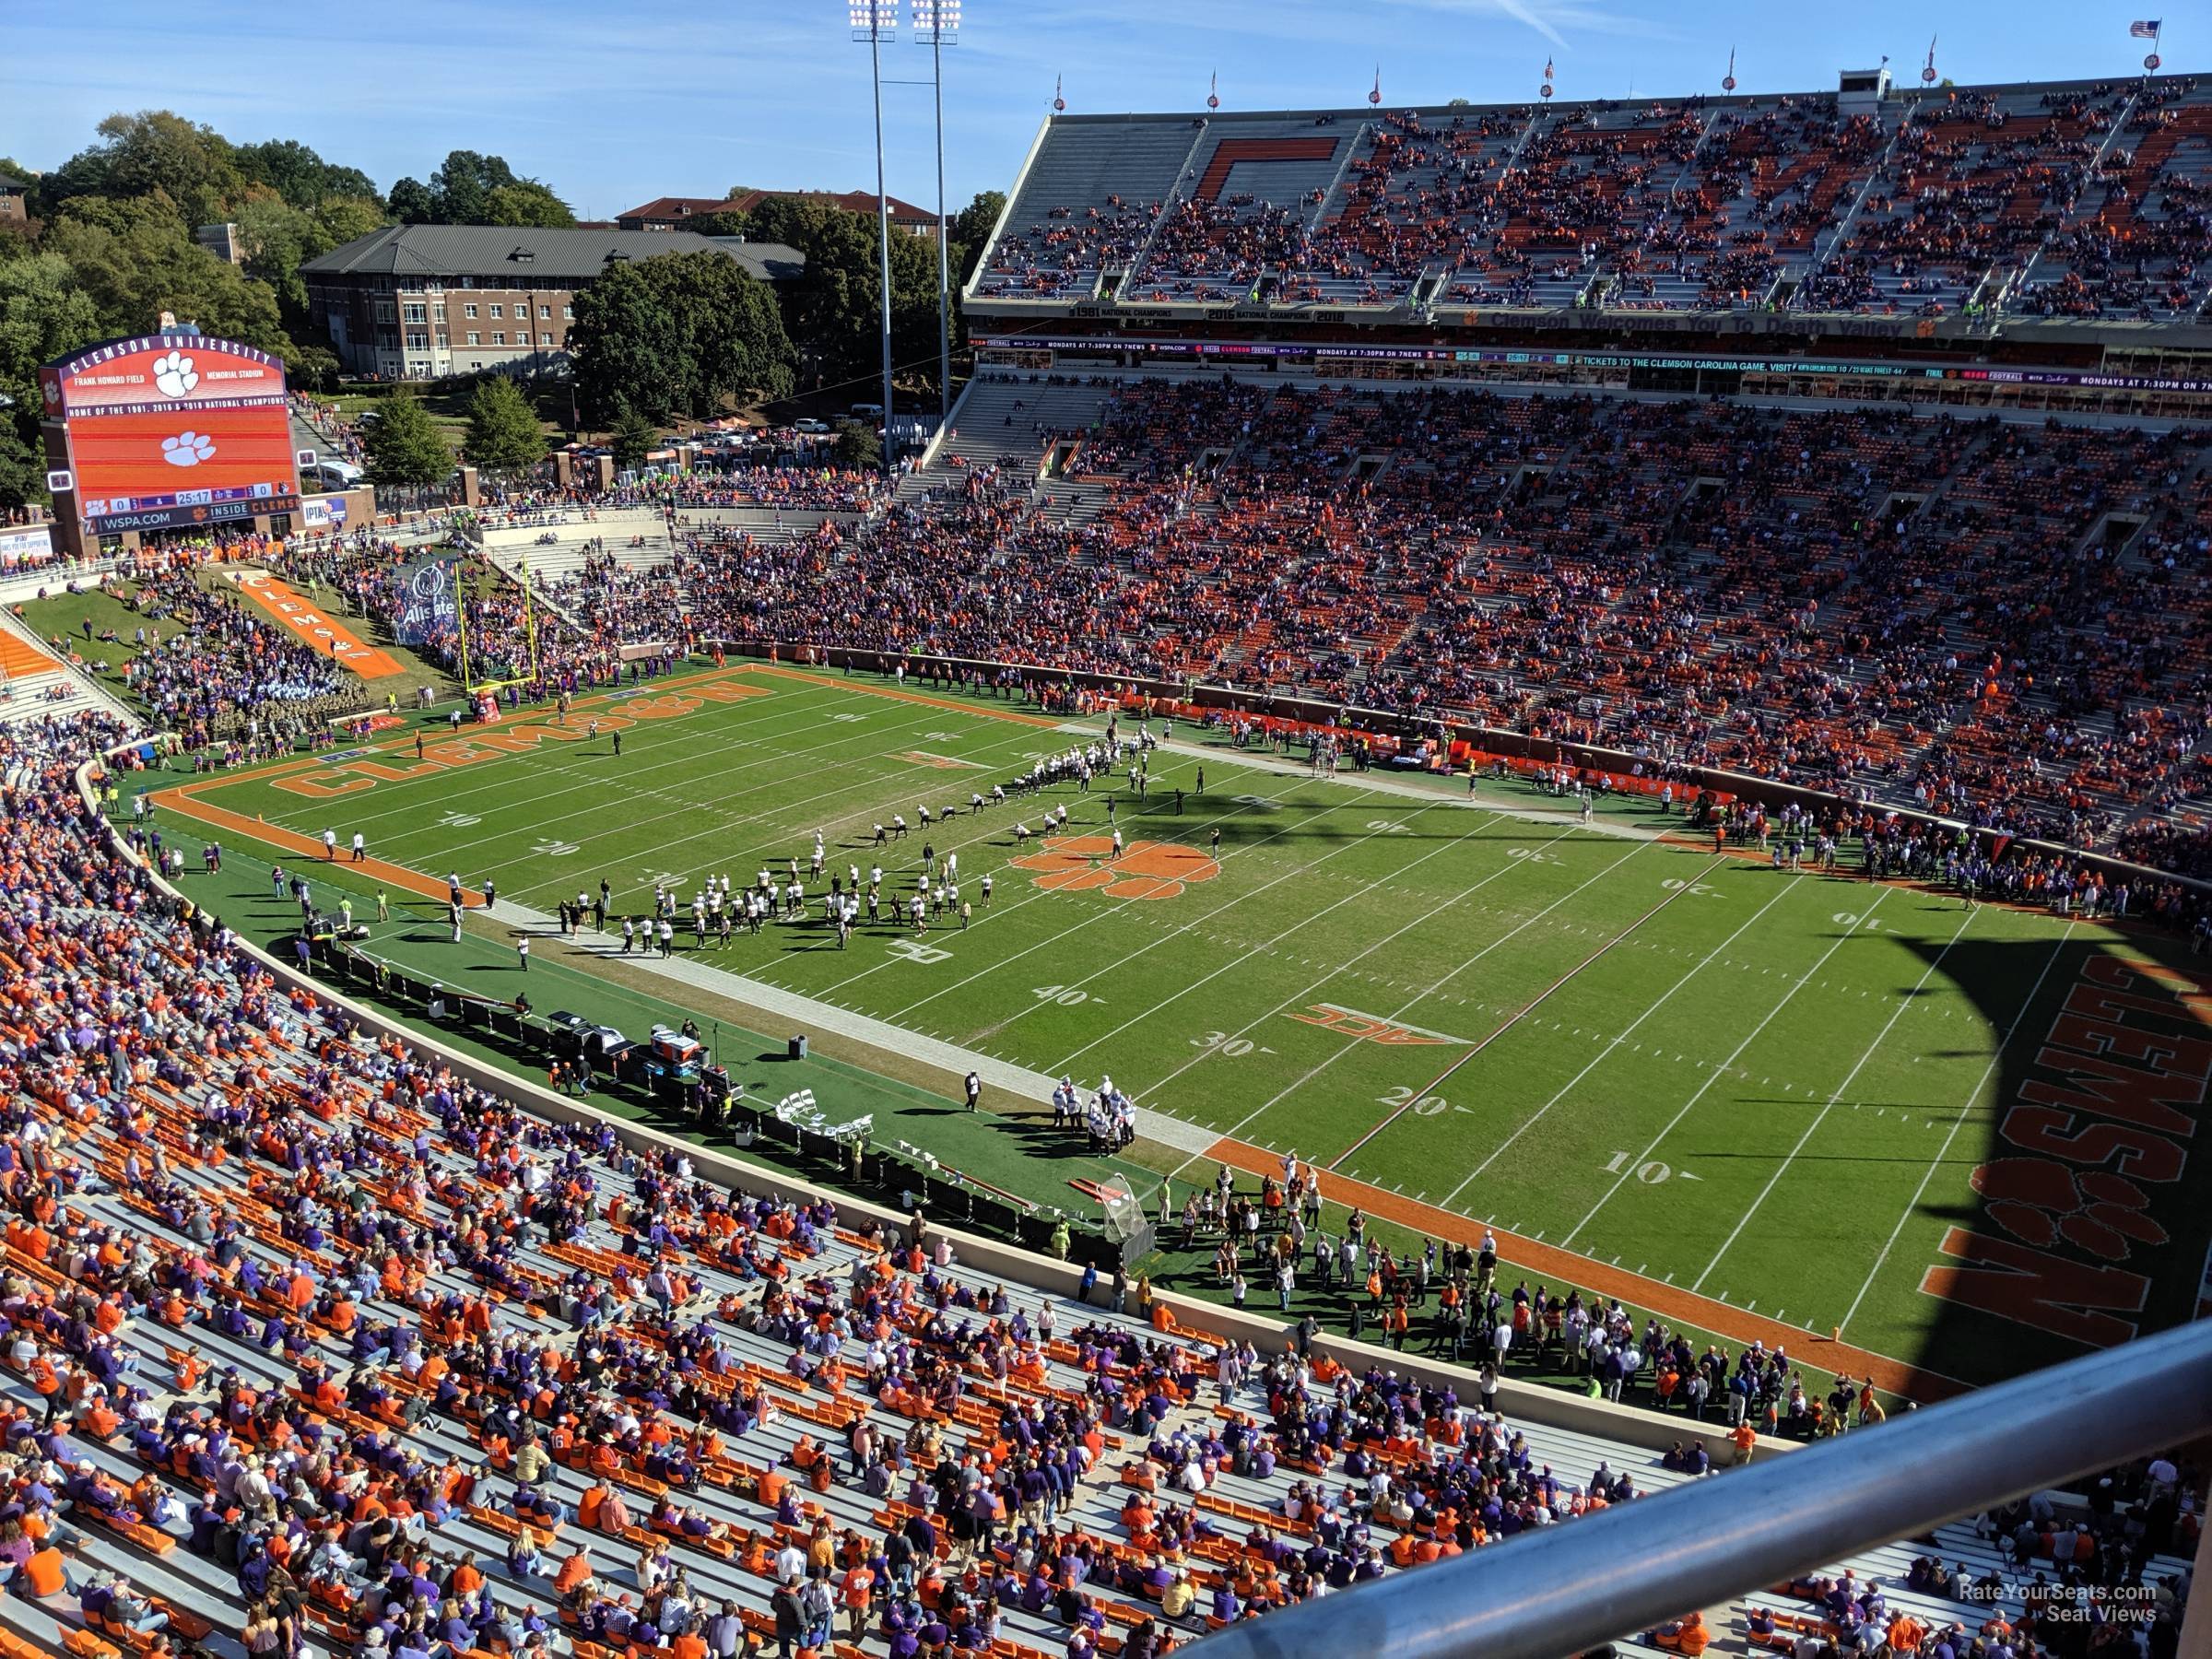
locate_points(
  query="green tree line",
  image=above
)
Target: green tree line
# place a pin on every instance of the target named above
(109, 247)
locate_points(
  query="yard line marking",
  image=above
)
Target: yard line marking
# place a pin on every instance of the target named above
(1511, 1020)
(725, 824)
(1880, 1036)
(1300, 996)
(1237, 962)
(1943, 1152)
(1599, 1058)
(1038, 893)
(1719, 1071)
(767, 713)
(1331, 971)
(1100, 913)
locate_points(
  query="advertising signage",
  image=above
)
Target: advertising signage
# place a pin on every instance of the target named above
(174, 430)
(1844, 367)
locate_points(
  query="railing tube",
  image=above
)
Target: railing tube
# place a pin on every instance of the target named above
(1631, 1568)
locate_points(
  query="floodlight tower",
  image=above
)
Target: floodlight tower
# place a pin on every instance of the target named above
(938, 25)
(877, 22)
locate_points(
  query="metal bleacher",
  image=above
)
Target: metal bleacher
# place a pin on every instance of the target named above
(1090, 196)
(2077, 199)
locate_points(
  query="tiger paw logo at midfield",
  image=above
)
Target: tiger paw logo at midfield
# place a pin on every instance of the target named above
(174, 374)
(1145, 869)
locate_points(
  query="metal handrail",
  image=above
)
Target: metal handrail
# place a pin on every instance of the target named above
(1637, 1565)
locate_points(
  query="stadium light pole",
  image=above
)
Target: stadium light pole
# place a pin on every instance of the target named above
(876, 21)
(939, 23)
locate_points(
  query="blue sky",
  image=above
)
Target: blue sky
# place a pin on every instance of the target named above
(615, 101)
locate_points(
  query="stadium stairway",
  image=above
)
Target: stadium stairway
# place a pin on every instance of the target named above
(35, 684)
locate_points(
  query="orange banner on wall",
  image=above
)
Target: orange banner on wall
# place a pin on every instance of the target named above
(310, 626)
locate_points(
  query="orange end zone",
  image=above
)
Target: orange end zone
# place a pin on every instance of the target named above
(1549, 1262)
(315, 627)
(184, 801)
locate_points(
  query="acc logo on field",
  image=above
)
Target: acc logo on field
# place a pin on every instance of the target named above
(1145, 869)
(1368, 1028)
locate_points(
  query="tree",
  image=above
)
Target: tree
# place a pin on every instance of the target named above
(721, 224)
(152, 152)
(464, 184)
(346, 218)
(793, 221)
(526, 201)
(858, 447)
(412, 203)
(135, 258)
(623, 345)
(44, 313)
(405, 446)
(314, 368)
(276, 237)
(299, 175)
(471, 188)
(22, 472)
(631, 439)
(971, 228)
(503, 432)
(677, 334)
(833, 310)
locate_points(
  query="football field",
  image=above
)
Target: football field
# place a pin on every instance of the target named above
(1758, 1101)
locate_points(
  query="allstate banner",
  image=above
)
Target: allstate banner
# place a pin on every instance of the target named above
(425, 609)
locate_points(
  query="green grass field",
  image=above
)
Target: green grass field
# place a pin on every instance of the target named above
(1763, 1088)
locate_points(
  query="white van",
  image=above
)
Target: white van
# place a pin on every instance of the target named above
(329, 475)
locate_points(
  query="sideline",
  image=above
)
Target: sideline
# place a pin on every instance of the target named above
(799, 1010)
(184, 801)
(1549, 1261)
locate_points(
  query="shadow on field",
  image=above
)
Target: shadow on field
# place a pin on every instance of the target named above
(2067, 1223)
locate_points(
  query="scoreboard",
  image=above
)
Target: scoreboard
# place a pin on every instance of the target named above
(174, 430)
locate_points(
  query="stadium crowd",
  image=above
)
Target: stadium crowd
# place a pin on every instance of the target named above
(208, 664)
(1994, 620)
(310, 1338)
(333, 1344)
(2089, 200)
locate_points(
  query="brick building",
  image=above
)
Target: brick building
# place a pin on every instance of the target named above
(423, 301)
(15, 198)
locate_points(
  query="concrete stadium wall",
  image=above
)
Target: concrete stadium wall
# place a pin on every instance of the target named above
(609, 522)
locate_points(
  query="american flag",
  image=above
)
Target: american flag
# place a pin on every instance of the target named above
(2144, 31)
